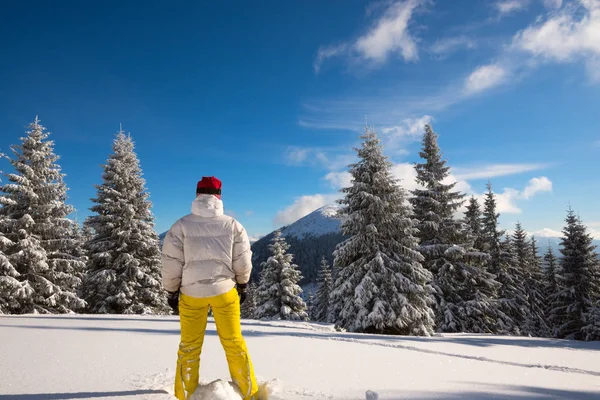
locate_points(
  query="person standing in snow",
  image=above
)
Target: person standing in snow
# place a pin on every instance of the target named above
(206, 260)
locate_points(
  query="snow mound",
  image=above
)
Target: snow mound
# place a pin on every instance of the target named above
(222, 390)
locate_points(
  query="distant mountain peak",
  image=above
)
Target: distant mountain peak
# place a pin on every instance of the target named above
(319, 222)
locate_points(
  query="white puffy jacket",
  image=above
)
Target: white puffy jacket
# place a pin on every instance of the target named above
(205, 253)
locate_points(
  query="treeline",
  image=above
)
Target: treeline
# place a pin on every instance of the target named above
(48, 264)
(415, 264)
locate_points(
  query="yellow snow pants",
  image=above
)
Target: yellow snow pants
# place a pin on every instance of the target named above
(193, 315)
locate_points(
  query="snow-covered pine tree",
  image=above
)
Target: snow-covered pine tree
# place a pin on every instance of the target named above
(9, 284)
(529, 265)
(13, 293)
(537, 296)
(464, 290)
(40, 241)
(124, 267)
(321, 301)
(248, 307)
(550, 286)
(591, 330)
(380, 284)
(473, 220)
(278, 292)
(511, 295)
(579, 281)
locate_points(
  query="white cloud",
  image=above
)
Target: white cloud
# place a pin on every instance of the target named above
(410, 127)
(570, 35)
(303, 206)
(406, 173)
(388, 35)
(505, 7)
(449, 45)
(494, 170)
(339, 180)
(546, 233)
(296, 155)
(507, 200)
(326, 52)
(485, 77)
(537, 185)
(249, 213)
(409, 130)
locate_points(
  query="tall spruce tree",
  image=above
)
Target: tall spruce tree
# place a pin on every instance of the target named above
(38, 238)
(511, 295)
(278, 292)
(550, 285)
(380, 284)
(579, 282)
(464, 290)
(537, 298)
(473, 221)
(529, 267)
(124, 275)
(321, 301)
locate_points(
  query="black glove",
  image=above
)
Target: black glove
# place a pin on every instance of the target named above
(241, 288)
(173, 300)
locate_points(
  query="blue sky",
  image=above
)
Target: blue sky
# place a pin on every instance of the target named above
(271, 97)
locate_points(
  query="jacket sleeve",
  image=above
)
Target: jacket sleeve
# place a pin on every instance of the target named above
(242, 255)
(173, 258)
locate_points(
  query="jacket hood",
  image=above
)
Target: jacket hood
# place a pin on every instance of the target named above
(207, 205)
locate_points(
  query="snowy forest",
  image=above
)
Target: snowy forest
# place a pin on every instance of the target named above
(413, 263)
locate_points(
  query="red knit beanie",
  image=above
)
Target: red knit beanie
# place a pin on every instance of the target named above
(209, 185)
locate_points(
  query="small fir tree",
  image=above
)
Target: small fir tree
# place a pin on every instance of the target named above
(321, 301)
(278, 293)
(578, 282)
(550, 286)
(473, 221)
(502, 264)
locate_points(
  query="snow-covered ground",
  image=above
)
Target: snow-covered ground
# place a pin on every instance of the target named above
(128, 357)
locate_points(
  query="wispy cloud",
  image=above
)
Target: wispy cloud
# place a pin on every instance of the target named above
(408, 131)
(570, 35)
(445, 46)
(389, 34)
(494, 170)
(330, 159)
(485, 77)
(326, 52)
(505, 7)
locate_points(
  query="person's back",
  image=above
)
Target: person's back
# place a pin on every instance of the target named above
(206, 257)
